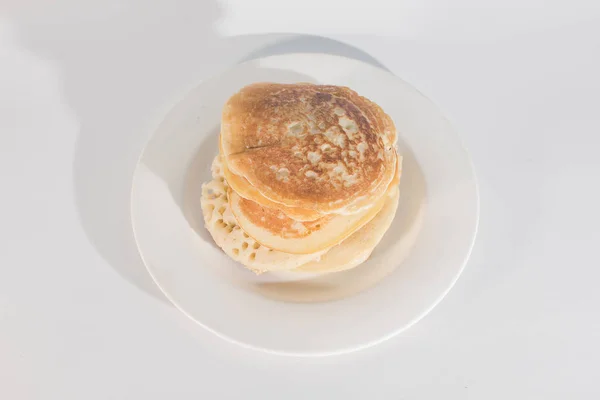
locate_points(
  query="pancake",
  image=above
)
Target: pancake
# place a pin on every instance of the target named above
(272, 228)
(225, 231)
(242, 248)
(242, 187)
(357, 248)
(313, 147)
(275, 230)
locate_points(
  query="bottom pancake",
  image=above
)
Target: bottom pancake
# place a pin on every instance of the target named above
(358, 247)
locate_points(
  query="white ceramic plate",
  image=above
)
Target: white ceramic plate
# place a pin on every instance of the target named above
(411, 270)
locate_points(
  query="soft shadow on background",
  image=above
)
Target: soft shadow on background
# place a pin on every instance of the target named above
(312, 44)
(112, 56)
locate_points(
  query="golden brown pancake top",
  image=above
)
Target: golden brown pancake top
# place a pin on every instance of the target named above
(319, 147)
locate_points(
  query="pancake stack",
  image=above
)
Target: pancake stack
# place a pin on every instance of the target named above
(306, 178)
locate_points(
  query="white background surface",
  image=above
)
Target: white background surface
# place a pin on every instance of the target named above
(79, 85)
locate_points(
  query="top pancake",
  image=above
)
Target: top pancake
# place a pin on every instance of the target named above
(316, 147)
